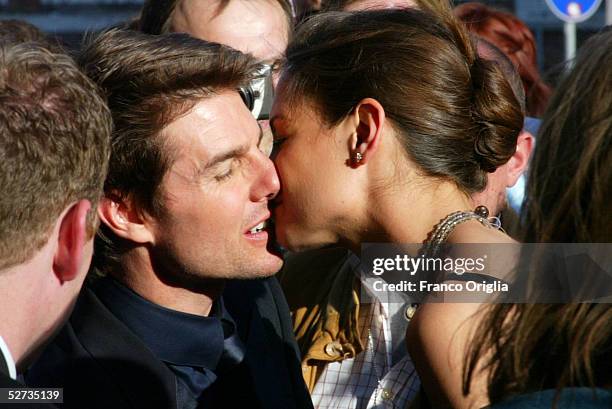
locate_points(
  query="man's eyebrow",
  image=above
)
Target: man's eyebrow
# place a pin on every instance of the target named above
(241, 150)
(223, 156)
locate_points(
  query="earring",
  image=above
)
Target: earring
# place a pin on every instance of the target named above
(358, 157)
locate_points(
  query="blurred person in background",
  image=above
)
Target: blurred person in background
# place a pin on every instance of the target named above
(437, 7)
(306, 8)
(19, 31)
(309, 7)
(261, 28)
(499, 183)
(516, 41)
(558, 355)
(54, 144)
(514, 38)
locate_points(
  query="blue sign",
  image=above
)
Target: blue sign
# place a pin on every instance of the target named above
(573, 11)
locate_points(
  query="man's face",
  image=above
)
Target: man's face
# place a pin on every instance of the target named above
(215, 195)
(258, 27)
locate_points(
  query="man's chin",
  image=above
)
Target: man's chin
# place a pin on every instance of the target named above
(261, 268)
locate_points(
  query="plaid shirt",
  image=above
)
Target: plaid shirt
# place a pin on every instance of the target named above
(372, 379)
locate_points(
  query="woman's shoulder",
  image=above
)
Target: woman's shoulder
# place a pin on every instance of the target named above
(473, 232)
(436, 339)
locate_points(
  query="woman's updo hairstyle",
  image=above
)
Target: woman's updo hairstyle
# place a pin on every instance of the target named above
(454, 112)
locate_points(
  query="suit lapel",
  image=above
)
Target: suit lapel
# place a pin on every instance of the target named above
(143, 379)
(257, 319)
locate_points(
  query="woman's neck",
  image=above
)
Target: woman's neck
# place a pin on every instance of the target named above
(403, 216)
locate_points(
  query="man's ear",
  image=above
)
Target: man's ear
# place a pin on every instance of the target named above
(73, 235)
(368, 119)
(122, 216)
(519, 161)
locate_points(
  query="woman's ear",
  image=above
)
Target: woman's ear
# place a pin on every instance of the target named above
(125, 219)
(368, 119)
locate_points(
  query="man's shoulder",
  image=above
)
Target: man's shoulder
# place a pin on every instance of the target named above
(52, 368)
(100, 362)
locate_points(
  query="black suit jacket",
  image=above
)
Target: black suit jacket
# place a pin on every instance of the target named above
(102, 364)
(7, 382)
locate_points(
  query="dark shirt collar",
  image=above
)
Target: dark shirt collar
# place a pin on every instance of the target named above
(175, 337)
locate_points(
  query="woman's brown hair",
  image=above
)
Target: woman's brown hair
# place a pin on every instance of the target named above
(545, 346)
(455, 113)
(514, 38)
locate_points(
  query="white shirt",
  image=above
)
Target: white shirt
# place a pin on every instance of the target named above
(8, 358)
(380, 377)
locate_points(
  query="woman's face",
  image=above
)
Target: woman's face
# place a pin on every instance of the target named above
(313, 163)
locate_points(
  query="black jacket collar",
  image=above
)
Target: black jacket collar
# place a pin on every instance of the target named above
(100, 357)
(123, 356)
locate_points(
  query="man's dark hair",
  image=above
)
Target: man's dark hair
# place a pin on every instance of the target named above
(54, 145)
(156, 15)
(150, 81)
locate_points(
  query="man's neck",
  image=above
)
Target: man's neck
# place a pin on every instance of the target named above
(23, 307)
(190, 296)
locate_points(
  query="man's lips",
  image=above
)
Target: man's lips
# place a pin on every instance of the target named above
(258, 226)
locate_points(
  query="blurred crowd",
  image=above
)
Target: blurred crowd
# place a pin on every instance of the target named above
(188, 199)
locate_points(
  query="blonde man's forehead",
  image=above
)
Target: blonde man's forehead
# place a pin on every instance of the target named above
(258, 27)
(380, 4)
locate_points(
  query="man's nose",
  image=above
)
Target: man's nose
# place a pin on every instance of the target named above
(267, 184)
(265, 145)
